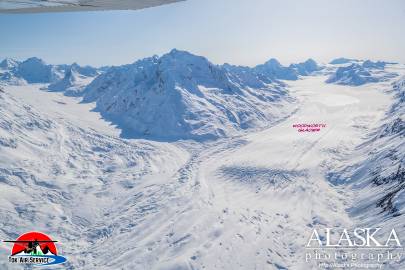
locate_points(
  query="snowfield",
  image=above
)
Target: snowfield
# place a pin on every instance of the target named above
(248, 197)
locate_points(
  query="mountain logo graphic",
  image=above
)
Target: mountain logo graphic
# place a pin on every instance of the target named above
(34, 248)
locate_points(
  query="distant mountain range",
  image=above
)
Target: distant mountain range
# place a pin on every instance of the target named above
(35, 70)
(358, 72)
(180, 95)
(274, 69)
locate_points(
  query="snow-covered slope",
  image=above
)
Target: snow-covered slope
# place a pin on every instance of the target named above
(306, 68)
(354, 74)
(180, 96)
(383, 168)
(275, 70)
(63, 170)
(342, 60)
(248, 77)
(9, 64)
(8, 75)
(87, 71)
(360, 73)
(374, 65)
(74, 80)
(35, 70)
(375, 171)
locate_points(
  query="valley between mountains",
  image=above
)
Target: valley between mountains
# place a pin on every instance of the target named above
(174, 163)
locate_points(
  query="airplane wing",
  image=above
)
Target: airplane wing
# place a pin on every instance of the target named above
(40, 6)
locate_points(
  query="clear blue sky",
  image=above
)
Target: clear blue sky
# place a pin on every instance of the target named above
(244, 32)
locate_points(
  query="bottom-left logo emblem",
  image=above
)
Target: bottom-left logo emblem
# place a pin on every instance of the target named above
(34, 248)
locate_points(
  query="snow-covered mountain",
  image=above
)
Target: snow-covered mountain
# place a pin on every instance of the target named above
(180, 95)
(374, 65)
(87, 71)
(306, 68)
(9, 64)
(342, 60)
(384, 166)
(8, 75)
(275, 70)
(248, 77)
(32, 70)
(360, 73)
(74, 80)
(354, 74)
(35, 70)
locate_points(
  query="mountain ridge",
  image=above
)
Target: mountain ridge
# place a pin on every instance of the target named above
(181, 95)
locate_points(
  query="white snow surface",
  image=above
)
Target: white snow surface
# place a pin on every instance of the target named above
(247, 201)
